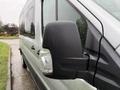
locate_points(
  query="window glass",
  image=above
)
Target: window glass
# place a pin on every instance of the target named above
(49, 11)
(22, 28)
(29, 24)
(27, 27)
(22, 24)
(67, 12)
(29, 20)
(112, 6)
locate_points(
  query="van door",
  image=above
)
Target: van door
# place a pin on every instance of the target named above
(28, 38)
(43, 15)
(108, 68)
(90, 35)
(108, 71)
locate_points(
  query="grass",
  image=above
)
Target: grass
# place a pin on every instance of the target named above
(9, 37)
(4, 54)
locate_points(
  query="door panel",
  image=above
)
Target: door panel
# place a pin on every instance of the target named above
(108, 72)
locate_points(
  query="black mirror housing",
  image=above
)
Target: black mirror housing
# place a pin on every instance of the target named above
(63, 41)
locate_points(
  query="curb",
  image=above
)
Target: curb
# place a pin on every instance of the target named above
(9, 81)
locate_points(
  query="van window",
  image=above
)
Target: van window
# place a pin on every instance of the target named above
(29, 23)
(22, 28)
(27, 27)
(67, 12)
(49, 8)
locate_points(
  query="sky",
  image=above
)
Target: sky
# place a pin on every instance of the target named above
(10, 10)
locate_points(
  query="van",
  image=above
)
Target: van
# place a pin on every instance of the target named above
(72, 44)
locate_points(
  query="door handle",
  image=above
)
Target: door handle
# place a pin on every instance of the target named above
(38, 52)
(33, 48)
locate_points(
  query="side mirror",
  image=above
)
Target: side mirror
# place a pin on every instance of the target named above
(63, 41)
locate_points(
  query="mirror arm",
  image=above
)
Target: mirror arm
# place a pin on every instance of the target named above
(88, 61)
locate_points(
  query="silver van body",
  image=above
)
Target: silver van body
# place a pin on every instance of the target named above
(98, 27)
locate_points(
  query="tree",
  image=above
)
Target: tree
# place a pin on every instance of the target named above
(1, 23)
(1, 28)
(9, 29)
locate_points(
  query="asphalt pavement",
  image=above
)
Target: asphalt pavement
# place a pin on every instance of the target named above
(21, 79)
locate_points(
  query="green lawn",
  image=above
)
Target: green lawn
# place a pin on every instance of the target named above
(4, 54)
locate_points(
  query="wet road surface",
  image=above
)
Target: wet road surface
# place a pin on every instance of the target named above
(20, 77)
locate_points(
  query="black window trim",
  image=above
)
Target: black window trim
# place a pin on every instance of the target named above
(56, 11)
(42, 20)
